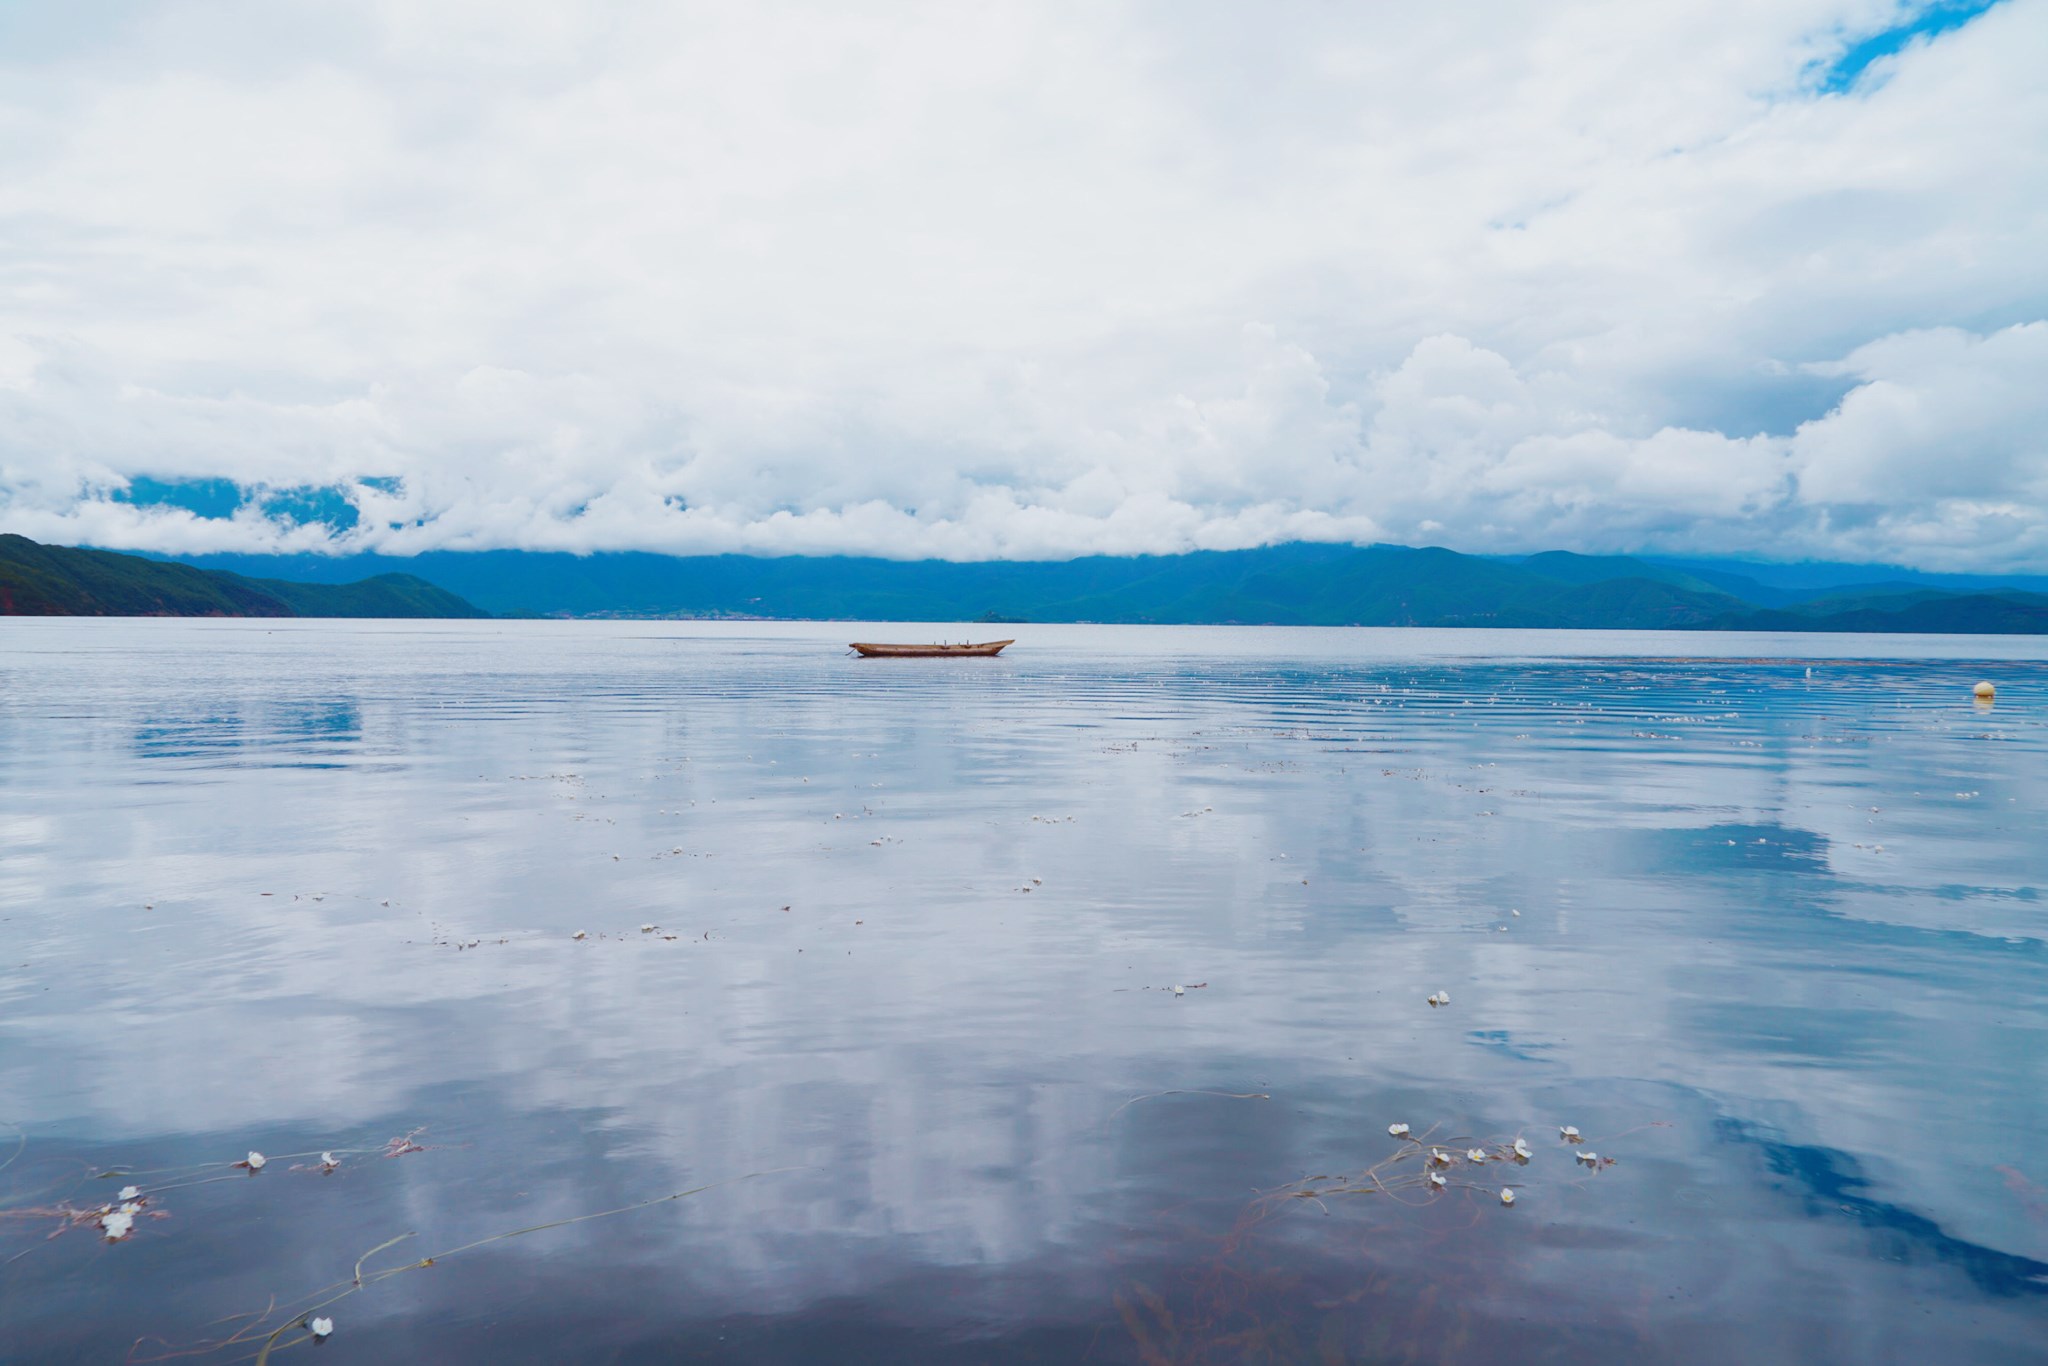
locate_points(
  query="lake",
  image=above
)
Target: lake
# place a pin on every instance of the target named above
(1051, 1008)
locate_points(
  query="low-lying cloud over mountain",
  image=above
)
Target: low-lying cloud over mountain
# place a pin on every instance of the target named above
(1029, 280)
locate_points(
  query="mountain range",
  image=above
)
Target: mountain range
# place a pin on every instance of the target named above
(55, 581)
(1301, 584)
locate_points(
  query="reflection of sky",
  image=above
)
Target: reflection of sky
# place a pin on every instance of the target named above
(1795, 920)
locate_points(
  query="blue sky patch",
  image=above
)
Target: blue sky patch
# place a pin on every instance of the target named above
(220, 499)
(200, 497)
(324, 504)
(1934, 19)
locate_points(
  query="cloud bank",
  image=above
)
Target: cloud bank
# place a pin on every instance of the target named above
(1028, 280)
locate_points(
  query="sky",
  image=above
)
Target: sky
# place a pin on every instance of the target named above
(1756, 278)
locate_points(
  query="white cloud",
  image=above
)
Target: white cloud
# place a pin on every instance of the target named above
(1935, 415)
(1028, 280)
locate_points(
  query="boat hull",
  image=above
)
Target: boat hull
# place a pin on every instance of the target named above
(873, 650)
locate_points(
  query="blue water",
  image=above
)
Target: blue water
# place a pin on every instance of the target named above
(1762, 917)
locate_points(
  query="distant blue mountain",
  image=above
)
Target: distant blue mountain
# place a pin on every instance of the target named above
(1804, 580)
(1301, 584)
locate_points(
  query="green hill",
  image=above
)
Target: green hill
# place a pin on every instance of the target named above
(56, 581)
(382, 595)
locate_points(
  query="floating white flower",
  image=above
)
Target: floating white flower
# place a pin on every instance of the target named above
(1590, 1159)
(328, 1162)
(1475, 1154)
(1179, 990)
(118, 1223)
(1443, 998)
(1436, 1179)
(1522, 1149)
(1398, 1130)
(131, 1192)
(1569, 1133)
(320, 1328)
(254, 1162)
(1507, 1197)
(579, 935)
(647, 929)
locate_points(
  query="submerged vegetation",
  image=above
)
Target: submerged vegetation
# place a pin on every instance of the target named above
(1423, 1168)
(1237, 1308)
(277, 1326)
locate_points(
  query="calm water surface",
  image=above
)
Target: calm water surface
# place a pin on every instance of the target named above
(1767, 928)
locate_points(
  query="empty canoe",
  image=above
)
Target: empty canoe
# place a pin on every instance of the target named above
(874, 651)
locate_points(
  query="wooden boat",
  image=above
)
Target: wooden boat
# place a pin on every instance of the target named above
(871, 650)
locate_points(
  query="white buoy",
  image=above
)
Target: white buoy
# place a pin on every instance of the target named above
(1984, 691)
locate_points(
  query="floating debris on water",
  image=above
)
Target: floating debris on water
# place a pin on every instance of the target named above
(404, 1143)
(580, 934)
(1441, 998)
(1436, 1169)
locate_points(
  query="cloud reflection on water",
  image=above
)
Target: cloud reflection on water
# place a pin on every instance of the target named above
(1707, 939)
